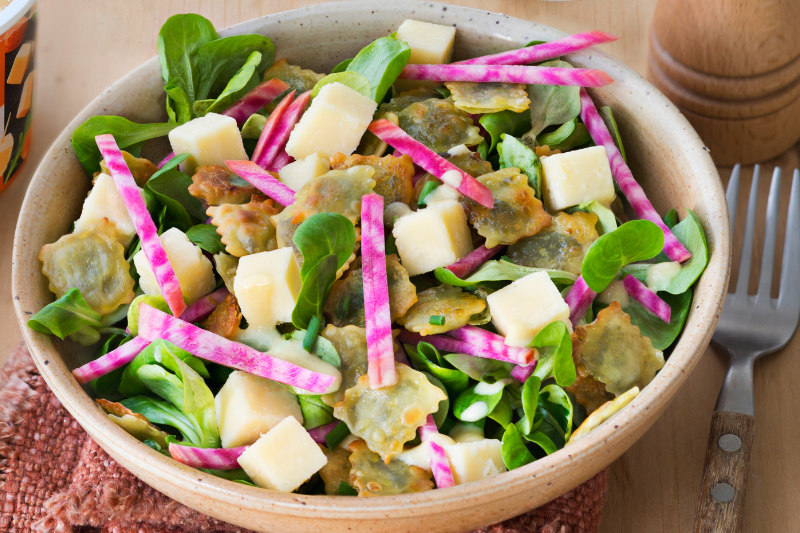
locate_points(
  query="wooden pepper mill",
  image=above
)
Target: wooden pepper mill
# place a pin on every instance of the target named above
(733, 68)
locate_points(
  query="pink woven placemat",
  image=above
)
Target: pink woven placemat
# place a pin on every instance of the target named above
(54, 478)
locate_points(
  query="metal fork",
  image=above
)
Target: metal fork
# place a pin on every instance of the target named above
(750, 326)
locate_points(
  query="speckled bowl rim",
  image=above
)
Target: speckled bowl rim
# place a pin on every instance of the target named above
(567, 467)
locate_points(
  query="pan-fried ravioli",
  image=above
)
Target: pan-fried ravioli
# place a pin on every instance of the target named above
(216, 185)
(373, 477)
(455, 306)
(245, 228)
(488, 97)
(561, 246)
(439, 125)
(392, 174)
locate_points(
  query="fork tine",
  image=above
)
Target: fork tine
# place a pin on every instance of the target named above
(770, 235)
(789, 298)
(732, 194)
(749, 228)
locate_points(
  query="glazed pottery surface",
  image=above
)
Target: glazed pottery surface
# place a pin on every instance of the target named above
(665, 154)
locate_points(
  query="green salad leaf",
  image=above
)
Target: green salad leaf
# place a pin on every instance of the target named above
(380, 62)
(504, 122)
(426, 358)
(569, 135)
(153, 300)
(555, 409)
(501, 270)
(606, 219)
(219, 60)
(515, 453)
(552, 104)
(159, 411)
(354, 80)
(130, 384)
(171, 190)
(480, 368)
(245, 79)
(336, 435)
(637, 240)
(323, 234)
(503, 412)
(315, 412)
(69, 315)
(478, 401)
(253, 126)
(514, 153)
(690, 233)
(129, 136)
(317, 284)
(557, 361)
(444, 406)
(608, 117)
(341, 67)
(206, 237)
(107, 386)
(659, 332)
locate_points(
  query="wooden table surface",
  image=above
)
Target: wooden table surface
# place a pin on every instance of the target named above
(84, 46)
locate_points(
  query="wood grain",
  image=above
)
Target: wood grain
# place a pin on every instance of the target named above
(727, 464)
(85, 45)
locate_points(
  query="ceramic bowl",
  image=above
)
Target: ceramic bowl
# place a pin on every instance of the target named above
(665, 154)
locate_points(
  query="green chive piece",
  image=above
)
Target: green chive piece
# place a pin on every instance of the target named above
(436, 320)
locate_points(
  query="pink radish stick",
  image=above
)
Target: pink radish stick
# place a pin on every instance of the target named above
(155, 324)
(544, 51)
(624, 178)
(280, 161)
(380, 346)
(432, 162)
(491, 342)
(579, 298)
(470, 262)
(145, 228)
(111, 361)
(650, 300)
(522, 373)
(440, 464)
(211, 458)
(280, 134)
(262, 180)
(204, 306)
(320, 432)
(166, 160)
(271, 125)
(449, 344)
(256, 99)
(576, 77)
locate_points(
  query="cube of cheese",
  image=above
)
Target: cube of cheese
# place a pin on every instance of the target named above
(20, 64)
(195, 273)
(462, 432)
(296, 174)
(284, 458)
(432, 237)
(431, 44)
(420, 456)
(210, 140)
(334, 122)
(104, 202)
(248, 406)
(576, 177)
(522, 309)
(27, 95)
(266, 286)
(476, 460)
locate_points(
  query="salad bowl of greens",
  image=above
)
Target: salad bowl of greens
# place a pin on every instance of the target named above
(352, 266)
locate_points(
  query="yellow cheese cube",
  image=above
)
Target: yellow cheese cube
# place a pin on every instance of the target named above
(431, 44)
(296, 174)
(195, 273)
(576, 177)
(27, 95)
(210, 140)
(20, 64)
(6, 148)
(522, 309)
(248, 406)
(334, 122)
(475, 460)
(266, 286)
(420, 456)
(432, 237)
(104, 202)
(284, 458)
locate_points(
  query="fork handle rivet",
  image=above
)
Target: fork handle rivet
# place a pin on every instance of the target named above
(723, 492)
(729, 443)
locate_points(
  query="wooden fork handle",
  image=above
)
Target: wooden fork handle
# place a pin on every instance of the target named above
(722, 490)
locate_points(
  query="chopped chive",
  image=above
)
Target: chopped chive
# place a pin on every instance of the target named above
(312, 333)
(336, 435)
(428, 188)
(346, 490)
(436, 320)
